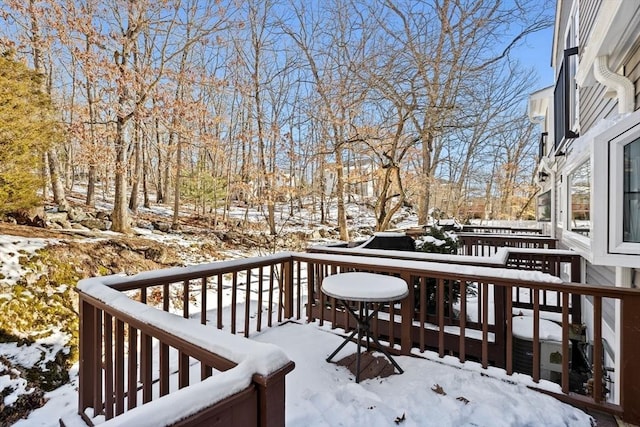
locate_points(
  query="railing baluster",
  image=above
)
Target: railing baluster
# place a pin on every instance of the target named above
(299, 289)
(509, 321)
(485, 324)
(234, 300)
(259, 315)
(597, 349)
(164, 369)
(132, 361)
(185, 299)
(119, 367)
(440, 298)
(270, 310)
(183, 370)
(203, 301)
(108, 365)
(97, 385)
(311, 295)
(423, 311)
(333, 312)
(247, 304)
(219, 297)
(146, 365)
(281, 291)
(165, 297)
(462, 320)
(565, 342)
(536, 335)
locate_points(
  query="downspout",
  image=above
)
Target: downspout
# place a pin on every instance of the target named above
(618, 86)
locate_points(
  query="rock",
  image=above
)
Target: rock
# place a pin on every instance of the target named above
(157, 254)
(96, 224)
(57, 217)
(77, 226)
(147, 225)
(34, 217)
(165, 227)
(102, 215)
(76, 214)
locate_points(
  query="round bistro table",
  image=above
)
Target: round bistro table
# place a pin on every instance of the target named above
(369, 290)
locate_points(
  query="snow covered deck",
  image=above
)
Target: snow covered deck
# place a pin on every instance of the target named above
(124, 347)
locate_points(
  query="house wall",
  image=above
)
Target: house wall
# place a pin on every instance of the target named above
(632, 70)
(588, 10)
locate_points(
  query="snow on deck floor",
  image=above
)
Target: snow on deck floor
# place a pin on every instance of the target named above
(324, 394)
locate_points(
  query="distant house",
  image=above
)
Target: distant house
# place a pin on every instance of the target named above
(589, 154)
(360, 178)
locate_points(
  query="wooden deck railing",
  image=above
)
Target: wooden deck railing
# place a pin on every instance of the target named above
(286, 286)
(488, 244)
(133, 355)
(488, 229)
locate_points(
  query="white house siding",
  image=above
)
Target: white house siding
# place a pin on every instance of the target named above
(594, 106)
(587, 10)
(632, 69)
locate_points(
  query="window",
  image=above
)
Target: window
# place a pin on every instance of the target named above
(624, 192)
(580, 199)
(631, 192)
(544, 206)
(565, 99)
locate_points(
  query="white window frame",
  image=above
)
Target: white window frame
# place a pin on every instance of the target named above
(606, 249)
(616, 208)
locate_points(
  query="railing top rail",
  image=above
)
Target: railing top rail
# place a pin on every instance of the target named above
(177, 274)
(506, 236)
(524, 278)
(497, 259)
(543, 251)
(186, 334)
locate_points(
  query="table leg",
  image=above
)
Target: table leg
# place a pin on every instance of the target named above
(363, 319)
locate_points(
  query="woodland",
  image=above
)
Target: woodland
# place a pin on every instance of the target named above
(277, 103)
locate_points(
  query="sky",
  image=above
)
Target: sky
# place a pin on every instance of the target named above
(536, 52)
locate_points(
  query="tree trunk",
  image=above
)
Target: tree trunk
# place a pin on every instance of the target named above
(56, 181)
(120, 215)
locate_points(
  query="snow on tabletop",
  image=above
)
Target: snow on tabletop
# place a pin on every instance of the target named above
(504, 274)
(523, 329)
(389, 234)
(358, 286)
(263, 359)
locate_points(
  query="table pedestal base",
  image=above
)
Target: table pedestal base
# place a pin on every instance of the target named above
(363, 317)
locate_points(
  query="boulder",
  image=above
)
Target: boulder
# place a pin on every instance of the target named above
(34, 217)
(76, 214)
(96, 224)
(165, 227)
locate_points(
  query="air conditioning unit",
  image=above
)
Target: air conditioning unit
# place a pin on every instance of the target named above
(551, 358)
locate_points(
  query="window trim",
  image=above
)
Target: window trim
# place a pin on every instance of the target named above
(616, 145)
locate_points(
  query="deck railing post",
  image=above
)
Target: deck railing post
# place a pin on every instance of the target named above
(271, 397)
(629, 369)
(287, 278)
(576, 302)
(87, 355)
